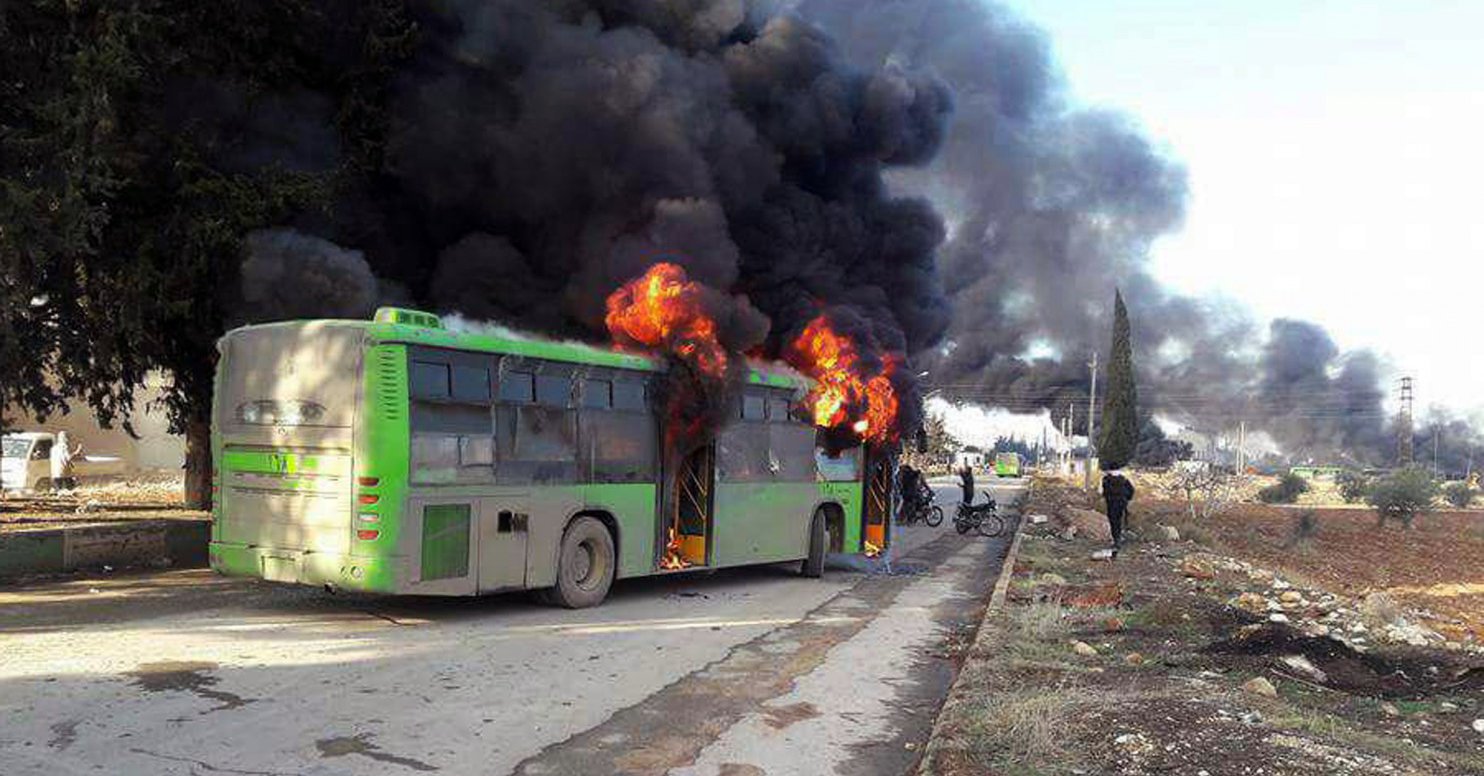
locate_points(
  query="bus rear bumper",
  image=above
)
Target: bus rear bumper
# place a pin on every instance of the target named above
(344, 572)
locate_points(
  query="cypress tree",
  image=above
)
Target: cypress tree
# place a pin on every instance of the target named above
(1119, 436)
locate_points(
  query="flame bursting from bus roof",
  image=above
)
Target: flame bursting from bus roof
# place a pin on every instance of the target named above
(663, 309)
(845, 394)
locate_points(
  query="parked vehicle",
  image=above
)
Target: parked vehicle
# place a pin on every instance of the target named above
(982, 517)
(25, 462)
(1007, 465)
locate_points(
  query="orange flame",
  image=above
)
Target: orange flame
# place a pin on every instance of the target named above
(673, 559)
(842, 393)
(871, 550)
(663, 309)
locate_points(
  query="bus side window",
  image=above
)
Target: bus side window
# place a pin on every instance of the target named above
(553, 390)
(430, 380)
(752, 407)
(628, 396)
(471, 383)
(778, 411)
(518, 387)
(597, 394)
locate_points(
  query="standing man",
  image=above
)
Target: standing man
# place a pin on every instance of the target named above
(1117, 492)
(966, 481)
(909, 482)
(62, 454)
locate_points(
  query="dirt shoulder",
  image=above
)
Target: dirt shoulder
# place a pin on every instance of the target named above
(143, 497)
(1147, 664)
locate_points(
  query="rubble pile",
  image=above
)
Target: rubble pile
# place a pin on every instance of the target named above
(1358, 622)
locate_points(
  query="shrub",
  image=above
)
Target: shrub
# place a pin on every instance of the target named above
(1459, 494)
(1403, 494)
(1287, 491)
(1353, 486)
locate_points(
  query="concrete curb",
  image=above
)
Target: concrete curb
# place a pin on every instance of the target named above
(178, 543)
(1007, 570)
(996, 602)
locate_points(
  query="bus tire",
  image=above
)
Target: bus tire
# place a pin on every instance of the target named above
(813, 566)
(585, 565)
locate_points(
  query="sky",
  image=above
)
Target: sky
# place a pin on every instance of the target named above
(1336, 159)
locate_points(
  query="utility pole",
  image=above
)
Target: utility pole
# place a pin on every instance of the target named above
(1242, 447)
(1404, 425)
(1092, 399)
(1435, 452)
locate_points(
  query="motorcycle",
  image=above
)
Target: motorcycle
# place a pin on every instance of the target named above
(983, 517)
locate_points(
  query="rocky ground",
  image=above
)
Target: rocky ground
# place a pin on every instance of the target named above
(140, 497)
(1190, 658)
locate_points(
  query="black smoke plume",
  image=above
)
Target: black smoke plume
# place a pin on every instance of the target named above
(539, 153)
(1049, 207)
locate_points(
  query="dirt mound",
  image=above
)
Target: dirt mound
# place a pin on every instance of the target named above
(1333, 664)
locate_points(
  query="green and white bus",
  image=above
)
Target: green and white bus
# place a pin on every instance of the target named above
(397, 456)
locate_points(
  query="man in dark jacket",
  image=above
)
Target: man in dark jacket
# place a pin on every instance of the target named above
(966, 481)
(1117, 492)
(910, 484)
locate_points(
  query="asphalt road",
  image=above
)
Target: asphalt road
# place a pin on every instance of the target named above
(739, 673)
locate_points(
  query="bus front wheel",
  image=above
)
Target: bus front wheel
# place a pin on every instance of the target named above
(813, 566)
(585, 565)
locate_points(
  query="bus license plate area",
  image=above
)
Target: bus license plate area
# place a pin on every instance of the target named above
(280, 569)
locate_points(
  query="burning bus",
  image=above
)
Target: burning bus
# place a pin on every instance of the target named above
(396, 455)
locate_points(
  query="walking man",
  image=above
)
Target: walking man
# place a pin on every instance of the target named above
(1117, 492)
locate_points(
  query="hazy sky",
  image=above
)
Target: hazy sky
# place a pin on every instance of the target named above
(1336, 159)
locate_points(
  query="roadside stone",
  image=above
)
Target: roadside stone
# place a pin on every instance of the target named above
(1197, 569)
(1447, 707)
(1255, 603)
(1390, 710)
(1479, 726)
(1101, 555)
(1172, 534)
(1084, 649)
(1051, 579)
(1258, 685)
(1113, 625)
(1291, 597)
(1279, 584)
(1134, 659)
(1093, 525)
(1277, 617)
(1301, 665)
(1038, 519)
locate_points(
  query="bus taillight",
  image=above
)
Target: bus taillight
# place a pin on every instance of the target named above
(367, 536)
(369, 517)
(368, 499)
(368, 482)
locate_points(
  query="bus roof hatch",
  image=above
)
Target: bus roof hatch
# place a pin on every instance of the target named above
(408, 317)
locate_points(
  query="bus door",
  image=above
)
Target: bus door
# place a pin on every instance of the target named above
(504, 538)
(878, 493)
(686, 533)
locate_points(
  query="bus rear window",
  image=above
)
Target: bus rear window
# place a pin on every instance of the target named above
(297, 374)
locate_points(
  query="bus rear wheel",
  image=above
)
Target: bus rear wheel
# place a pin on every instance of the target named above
(813, 566)
(585, 565)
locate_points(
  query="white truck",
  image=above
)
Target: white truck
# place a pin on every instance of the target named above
(25, 462)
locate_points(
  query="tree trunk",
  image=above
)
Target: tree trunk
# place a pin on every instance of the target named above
(198, 465)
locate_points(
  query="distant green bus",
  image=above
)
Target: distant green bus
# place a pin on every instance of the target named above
(397, 456)
(1007, 465)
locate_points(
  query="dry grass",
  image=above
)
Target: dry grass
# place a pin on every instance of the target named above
(1024, 731)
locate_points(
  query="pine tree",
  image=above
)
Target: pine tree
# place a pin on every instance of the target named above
(1119, 436)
